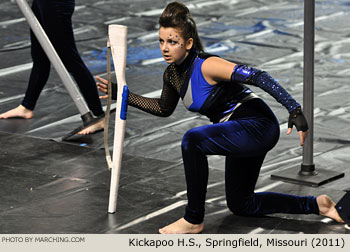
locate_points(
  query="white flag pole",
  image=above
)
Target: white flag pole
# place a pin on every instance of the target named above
(117, 37)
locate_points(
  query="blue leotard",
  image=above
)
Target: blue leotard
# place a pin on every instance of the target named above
(215, 101)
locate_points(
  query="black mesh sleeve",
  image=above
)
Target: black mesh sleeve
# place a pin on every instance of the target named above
(163, 106)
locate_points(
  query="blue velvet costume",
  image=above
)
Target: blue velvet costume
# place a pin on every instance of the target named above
(244, 129)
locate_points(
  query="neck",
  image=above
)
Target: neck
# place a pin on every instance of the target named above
(188, 60)
(184, 59)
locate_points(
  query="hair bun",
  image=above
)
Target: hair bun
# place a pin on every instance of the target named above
(177, 15)
(176, 10)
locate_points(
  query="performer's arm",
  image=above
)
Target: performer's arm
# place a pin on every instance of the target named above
(263, 80)
(163, 106)
(216, 69)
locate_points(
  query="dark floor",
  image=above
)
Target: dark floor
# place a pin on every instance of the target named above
(48, 186)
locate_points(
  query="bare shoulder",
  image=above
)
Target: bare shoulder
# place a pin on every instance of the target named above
(216, 69)
(211, 61)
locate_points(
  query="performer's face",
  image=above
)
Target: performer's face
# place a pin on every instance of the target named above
(173, 46)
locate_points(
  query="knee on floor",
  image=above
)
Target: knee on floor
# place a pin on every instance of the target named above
(242, 207)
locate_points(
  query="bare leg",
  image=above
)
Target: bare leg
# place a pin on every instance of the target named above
(20, 111)
(93, 128)
(327, 208)
(182, 226)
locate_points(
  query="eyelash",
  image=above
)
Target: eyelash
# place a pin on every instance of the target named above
(170, 41)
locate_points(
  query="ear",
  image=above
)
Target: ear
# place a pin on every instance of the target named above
(189, 44)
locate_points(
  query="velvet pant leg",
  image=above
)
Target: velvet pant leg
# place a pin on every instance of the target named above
(241, 175)
(245, 142)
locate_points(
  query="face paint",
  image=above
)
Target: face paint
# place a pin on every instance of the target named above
(176, 40)
(172, 45)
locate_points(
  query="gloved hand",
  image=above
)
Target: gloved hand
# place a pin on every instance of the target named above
(297, 118)
(103, 87)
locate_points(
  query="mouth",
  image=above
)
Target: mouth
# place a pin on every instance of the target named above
(166, 57)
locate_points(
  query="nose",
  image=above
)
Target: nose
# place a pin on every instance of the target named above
(164, 47)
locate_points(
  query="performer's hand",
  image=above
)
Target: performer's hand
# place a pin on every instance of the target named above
(102, 86)
(298, 119)
(302, 135)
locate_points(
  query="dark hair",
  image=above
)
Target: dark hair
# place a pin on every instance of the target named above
(177, 15)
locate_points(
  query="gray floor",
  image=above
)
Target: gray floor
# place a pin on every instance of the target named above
(63, 187)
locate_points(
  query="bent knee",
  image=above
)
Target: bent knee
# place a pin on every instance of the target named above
(237, 210)
(191, 139)
(242, 207)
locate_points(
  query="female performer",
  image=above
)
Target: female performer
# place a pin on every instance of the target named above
(55, 16)
(244, 128)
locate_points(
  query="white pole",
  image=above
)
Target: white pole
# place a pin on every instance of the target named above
(53, 57)
(117, 37)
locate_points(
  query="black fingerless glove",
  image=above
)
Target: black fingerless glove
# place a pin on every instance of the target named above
(114, 91)
(297, 118)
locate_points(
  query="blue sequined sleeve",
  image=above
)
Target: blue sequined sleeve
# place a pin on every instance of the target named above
(263, 80)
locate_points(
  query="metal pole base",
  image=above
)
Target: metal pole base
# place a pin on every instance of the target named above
(313, 179)
(88, 120)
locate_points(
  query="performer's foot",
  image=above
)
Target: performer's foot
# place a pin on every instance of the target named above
(93, 128)
(20, 111)
(182, 226)
(327, 208)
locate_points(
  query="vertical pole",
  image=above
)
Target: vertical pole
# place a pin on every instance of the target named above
(307, 175)
(117, 35)
(307, 166)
